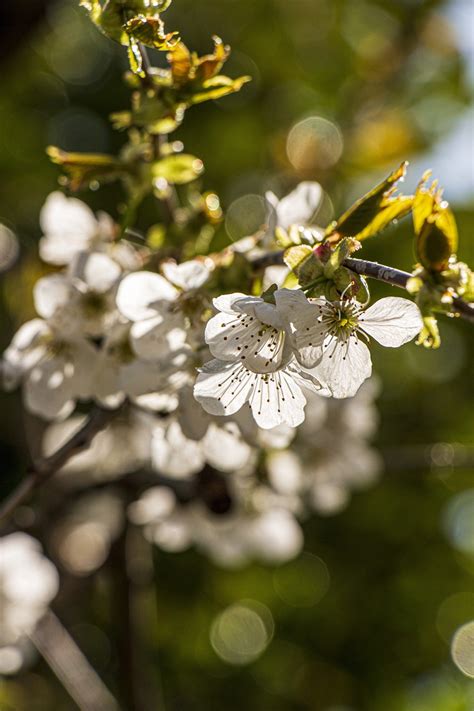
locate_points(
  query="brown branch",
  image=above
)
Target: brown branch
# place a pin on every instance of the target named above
(44, 468)
(373, 270)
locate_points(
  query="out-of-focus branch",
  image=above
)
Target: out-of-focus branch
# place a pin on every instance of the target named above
(71, 667)
(44, 468)
(372, 270)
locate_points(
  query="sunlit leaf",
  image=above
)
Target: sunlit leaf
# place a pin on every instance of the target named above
(358, 219)
(135, 58)
(178, 169)
(218, 87)
(150, 31)
(435, 227)
(294, 256)
(84, 168)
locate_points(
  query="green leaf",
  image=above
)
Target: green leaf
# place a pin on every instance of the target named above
(218, 87)
(178, 169)
(294, 256)
(358, 219)
(135, 58)
(85, 168)
(150, 31)
(435, 227)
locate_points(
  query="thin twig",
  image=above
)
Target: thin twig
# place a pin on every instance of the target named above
(373, 270)
(44, 468)
(399, 278)
(71, 667)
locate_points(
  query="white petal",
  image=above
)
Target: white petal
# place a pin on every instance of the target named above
(173, 454)
(155, 338)
(67, 216)
(302, 316)
(51, 293)
(142, 294)
(344, 366)
(276, 536)
(300, 205)
(260, 348)
(223, 388)
(392, 321)
(96, 270)
(68, 225)
(277, 399)
(47, 390)
(226, 302)
(188, 275)
(225, 449)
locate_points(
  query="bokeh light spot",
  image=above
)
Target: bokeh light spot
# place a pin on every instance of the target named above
(303, 582)
(245, 216)
(314, 144)
(462, 649)
(459, 521)
(242, 632)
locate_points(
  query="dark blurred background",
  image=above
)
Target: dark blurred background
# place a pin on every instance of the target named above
(380, 82)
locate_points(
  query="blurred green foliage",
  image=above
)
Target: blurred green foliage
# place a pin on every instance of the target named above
(391, 78)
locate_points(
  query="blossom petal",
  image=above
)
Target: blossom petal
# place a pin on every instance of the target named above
(142, 294)
(344, 366)
(188, 275)
(173, 454)
(155, 338)
(302, 316)
(225, 449)
(392, 321)
(227, 302)
(98, 271)
(222, 388)
(51, 293)
(300, 205)
(260, 348)
(277, 399)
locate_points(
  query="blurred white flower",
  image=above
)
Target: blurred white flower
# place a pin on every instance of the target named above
(82, 299)
(69, 227)
(296, 208)
(188, 275)
(222, 447)
(28, 583)
(149, 301)
(328, 335)
(55, 371)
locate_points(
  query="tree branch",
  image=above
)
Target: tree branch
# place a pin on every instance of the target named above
(373, 270)
(44, 468)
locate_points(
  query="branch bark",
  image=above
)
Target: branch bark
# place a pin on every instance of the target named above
(372, 270)
(44, 468)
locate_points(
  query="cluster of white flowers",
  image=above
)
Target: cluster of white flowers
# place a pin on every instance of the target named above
(215, 403)
(28, 583)
(104, 334)
(265, 353)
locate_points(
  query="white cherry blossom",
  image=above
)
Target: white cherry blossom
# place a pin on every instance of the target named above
(150, 302)
(329, 336)
(28, 583)
(69, 227)
(222, 447)
(275, 398)
(82, 299)
(54, 371)
(296, 208)
(254, 363)
(189, 275)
